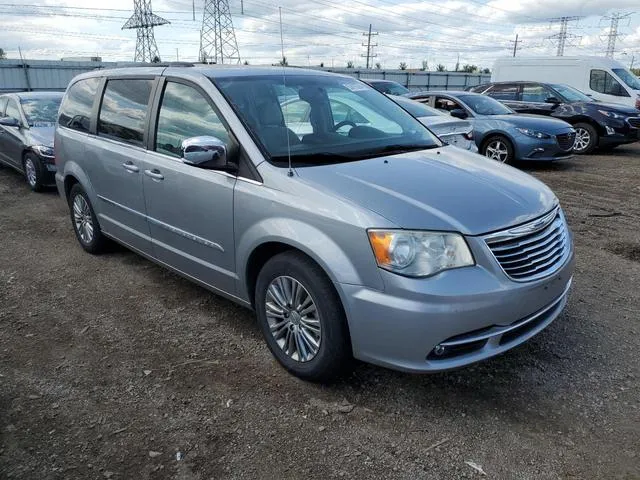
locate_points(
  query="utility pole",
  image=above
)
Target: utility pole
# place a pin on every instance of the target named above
(370, 55)
(515, 44)
(613, 32)
(218, 37)
(143, 20)
(563, 35)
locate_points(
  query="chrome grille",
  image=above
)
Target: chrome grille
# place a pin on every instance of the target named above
(634, 121)
(566, 141)
(534, 250)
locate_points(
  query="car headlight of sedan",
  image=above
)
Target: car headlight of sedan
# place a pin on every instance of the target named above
(44, 151)
(610, 114)
(419, 253)
(533, 133)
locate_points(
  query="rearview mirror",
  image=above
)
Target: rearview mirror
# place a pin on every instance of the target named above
(458, 113)
(9, 122)
(205, 152)
(552, 100)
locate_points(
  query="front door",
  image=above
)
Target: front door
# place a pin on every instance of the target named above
(12, 138)
(114, 161)
(190, 209)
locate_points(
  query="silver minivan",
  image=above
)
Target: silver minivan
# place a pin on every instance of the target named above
(360, 236)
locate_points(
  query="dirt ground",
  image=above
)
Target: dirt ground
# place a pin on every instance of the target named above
(111, 367)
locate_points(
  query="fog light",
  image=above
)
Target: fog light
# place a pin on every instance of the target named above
(439, 350)
(610, 131)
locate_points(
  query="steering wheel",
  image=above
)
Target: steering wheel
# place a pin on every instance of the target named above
(343, 123)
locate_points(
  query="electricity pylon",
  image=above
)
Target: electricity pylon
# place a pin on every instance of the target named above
(143, 20)
(218, 38)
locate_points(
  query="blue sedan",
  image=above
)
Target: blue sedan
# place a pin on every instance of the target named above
(500, 133)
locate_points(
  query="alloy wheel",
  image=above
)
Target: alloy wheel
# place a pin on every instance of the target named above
(497, 150)
(293, 318)
(82, 219)
(583, 139)
(30, 170)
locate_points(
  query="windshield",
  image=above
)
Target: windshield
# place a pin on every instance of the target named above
(417, 109)
(41, 110)
(627, 77)
(483, 105)
(570, 94)
(322, 118)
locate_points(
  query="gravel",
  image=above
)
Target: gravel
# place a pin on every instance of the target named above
(111, 367)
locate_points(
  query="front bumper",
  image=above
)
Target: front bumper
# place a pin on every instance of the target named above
(49, 170)
(473, 312)
(542, 150)
(619, 134)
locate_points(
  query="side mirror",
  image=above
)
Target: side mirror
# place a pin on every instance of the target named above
(9, 122)
(555, 100)
(458, 113)
(205, 152)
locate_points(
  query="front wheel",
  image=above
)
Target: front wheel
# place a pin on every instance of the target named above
(34, 172)
(586, 138)
(301, 317)
(498, 148)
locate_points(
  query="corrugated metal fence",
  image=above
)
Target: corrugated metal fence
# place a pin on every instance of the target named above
(417, 81)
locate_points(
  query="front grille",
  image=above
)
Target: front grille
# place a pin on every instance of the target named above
(566, 141)
(634, 121)
(534, 250)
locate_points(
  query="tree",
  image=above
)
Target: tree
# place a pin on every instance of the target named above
(469, 68)
(636, 71)
(403, 65)
(425, 65)
(2, 54)
(246, 63)
(284, 62)
(441, 68)
(486, 70)
(349, 64)
(378, 65)
(321, 64)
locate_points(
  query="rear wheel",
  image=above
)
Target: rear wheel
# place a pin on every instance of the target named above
(33, 172)
(586, 138)
(498, 148)
(85, 223)
(301, 317)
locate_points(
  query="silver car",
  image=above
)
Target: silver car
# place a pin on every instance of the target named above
(374, 241)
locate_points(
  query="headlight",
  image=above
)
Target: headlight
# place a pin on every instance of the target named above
(44, 150)
(417, 253)
(610, 114)
(533, 133)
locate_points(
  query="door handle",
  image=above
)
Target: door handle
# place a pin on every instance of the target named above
(155, 174)
(129, 166)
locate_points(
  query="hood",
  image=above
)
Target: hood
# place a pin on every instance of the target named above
(535, 122)
(614, 107)
(442, 189)
(41, 135)
(441, 124)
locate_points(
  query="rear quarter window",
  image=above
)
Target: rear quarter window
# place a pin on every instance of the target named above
(75, 111)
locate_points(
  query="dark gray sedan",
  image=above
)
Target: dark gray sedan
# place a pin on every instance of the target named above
(500, 133)
(27, 122)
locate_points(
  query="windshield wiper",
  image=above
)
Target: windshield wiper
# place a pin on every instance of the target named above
(317, 157)
(402, 148)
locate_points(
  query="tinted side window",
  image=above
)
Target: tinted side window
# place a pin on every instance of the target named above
(536, 93)
(185, 113)
(124, 109)
(446, 104)
(75, 111)
(13, 110)
(3, 104)
(603, 82)
(504, 92)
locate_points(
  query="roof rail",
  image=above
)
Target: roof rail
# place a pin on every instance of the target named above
(165, 64)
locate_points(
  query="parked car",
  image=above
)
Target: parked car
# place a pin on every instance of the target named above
(27, 123)
(604, 79)
(500, 133)
(456, 132)
(388, 87)
(375, 242)
(597, 124)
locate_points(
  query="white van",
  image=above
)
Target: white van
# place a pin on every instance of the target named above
(602, 78)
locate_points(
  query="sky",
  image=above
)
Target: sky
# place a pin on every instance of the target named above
(327, 31)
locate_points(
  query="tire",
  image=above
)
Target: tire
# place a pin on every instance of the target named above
(332, 353)
(33, 172)
(498, 148)
(84, 221)
(586, 138)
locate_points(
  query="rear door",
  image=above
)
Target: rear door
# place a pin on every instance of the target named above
(534, 99)
(190, 209)
(3, 105)
(507, 93)
(114, 159)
